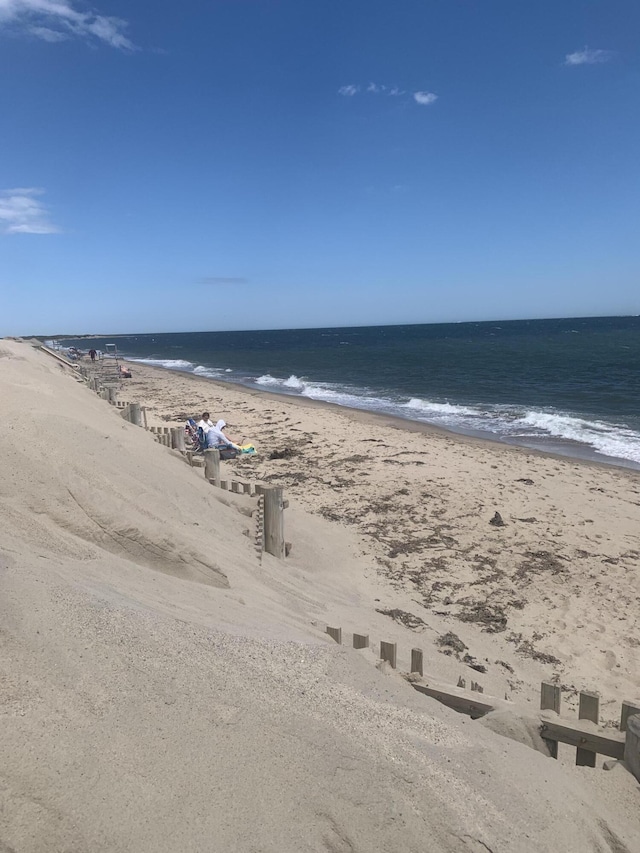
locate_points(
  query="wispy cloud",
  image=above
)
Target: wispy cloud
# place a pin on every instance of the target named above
(588, 56)
(424, 98)
(382, 89)
(21, 212)
(219, 280)
(59, 20)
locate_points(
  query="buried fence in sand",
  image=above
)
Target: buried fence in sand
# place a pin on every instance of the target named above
(269, 529)
(583, 734)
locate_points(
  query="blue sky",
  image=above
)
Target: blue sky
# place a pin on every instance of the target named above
(237, 164)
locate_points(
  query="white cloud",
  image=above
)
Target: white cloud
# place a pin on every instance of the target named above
(424, 98)
(57, 20)
(21, 212)
(47, 34)
(372, 89)
(587, 57)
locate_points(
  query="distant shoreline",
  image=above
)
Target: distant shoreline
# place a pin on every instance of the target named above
(406, 424)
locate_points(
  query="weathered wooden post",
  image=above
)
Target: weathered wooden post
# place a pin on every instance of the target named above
(388, 652)
(360, 641)
(212, 465)
(177, 439)
(135, 415)
(629, 709)
(274, 522)
(588, 709)
(416, 661)
(112, 394)
(550, 696)
(335, 634)
(632, 745)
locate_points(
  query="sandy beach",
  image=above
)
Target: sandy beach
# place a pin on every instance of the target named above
(163, 689)
(553, 594)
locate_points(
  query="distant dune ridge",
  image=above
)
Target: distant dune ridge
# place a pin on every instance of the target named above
(161, 690)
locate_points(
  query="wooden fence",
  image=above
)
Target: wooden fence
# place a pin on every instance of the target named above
(584, 734)
(269, 533)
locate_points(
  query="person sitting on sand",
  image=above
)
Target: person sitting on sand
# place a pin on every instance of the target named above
(216, 438)
(205, 423)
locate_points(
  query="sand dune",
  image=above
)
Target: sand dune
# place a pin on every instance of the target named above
(163, 690)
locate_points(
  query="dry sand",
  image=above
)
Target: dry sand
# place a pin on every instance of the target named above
(552, 595)
(162, 690)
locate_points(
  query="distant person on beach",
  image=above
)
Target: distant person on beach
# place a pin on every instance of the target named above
(216, 437)
(92, 354)
(205, 423)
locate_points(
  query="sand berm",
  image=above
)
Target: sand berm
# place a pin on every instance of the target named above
(161, 690)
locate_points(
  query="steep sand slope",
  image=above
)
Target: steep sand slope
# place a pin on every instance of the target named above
(161, 692)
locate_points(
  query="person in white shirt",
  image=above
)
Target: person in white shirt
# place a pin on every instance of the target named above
(206, 423)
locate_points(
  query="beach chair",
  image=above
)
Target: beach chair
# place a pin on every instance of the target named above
(195, 436)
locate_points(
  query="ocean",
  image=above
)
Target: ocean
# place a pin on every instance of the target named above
(570, 386)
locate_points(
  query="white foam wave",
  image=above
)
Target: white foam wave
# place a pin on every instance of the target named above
(429, 407)
(294, 382)
(613, 440)
(267, 379)
(168, 363)
(209, 372)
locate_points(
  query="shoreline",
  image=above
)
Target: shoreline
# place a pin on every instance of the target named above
(409, 424)
(549, 590)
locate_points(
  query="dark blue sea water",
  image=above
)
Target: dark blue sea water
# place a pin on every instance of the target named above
(571, 385)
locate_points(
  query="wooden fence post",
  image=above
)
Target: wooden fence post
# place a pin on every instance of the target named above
(135, 415)
(632, 745)
(177, 439)
(335, 634)
(360, 641)
(629, 709)
(212, 465)
(550, 697)
(274, 522)
(416, 661)
(388, 653)
(588, 709)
